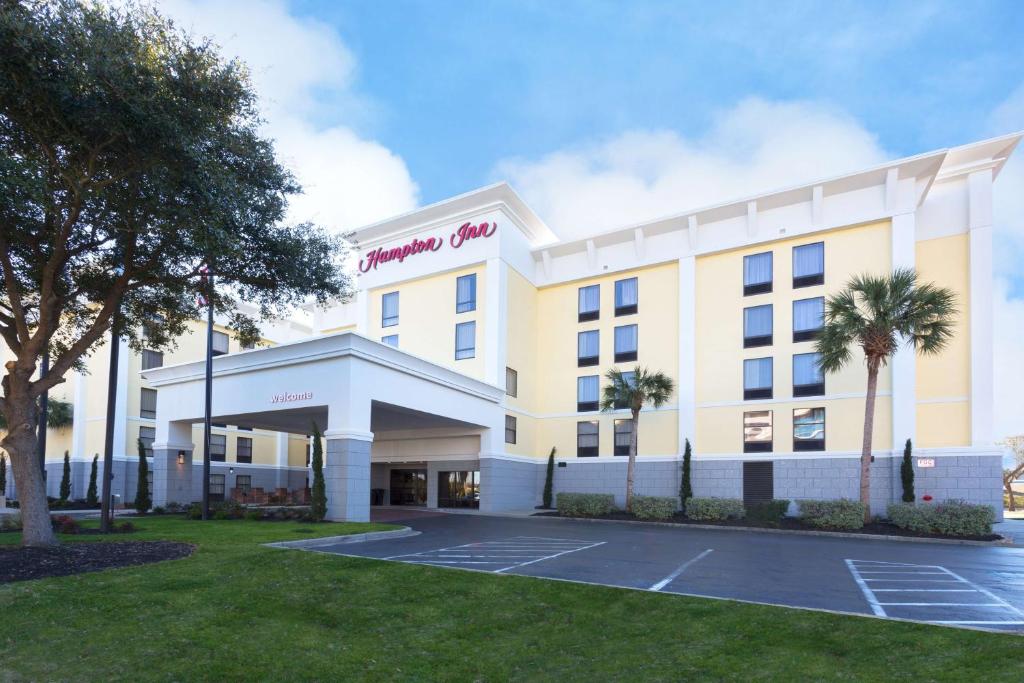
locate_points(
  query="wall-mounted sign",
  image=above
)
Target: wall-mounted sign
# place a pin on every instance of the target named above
(925, 463)
(288, 397)
(466, 231)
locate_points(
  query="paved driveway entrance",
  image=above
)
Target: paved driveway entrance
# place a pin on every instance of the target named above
(799, 571)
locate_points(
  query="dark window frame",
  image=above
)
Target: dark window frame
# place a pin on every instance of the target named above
(389, 321)
(625, 356)
(588, 406)
(143, 411)
(587, 316)
(627, 309)
(623, 450)
(588, 451)
(758, 287)
(814, 278)
(511, 429)
(804, 390)
(218, 482)
(805, 445)
(470, 350)
(247, 489)
(217, 335)
(758, 446)
(465, 306)
(148, 356)
(514, 376)
(222, 446)
(238, 449)
(384, 340)
(147, 435)
(761, 339)
(811, 334)
(587, 361)
(759, 392)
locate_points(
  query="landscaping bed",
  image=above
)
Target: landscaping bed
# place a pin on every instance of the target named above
(877, 527)
(23, 564)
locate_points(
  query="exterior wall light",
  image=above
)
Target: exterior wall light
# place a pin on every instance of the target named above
(181, 457)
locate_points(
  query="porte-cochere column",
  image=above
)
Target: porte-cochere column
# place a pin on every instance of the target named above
(347, 475)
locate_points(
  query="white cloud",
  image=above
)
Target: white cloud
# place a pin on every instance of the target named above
(639, 175)
(302, 70)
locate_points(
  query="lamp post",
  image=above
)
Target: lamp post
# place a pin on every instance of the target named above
(108, 441)
(207, 416)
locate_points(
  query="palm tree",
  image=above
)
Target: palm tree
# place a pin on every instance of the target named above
(633, 390)
(879, 313)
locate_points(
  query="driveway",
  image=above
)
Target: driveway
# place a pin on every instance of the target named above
(968, 586)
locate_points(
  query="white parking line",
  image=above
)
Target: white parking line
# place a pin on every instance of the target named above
(505, 554)
(679, 570)
(986, 600)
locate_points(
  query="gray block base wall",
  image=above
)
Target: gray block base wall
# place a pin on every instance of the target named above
(509, 484)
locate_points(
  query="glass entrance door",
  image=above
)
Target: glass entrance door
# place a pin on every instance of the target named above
(409, 487)
(458, 489)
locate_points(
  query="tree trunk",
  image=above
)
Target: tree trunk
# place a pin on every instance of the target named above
(1008, 483)
(1008, 479)
(21, 444)
(869, 426)
(631, 466)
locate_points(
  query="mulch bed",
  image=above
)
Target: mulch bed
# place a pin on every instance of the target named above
(790, 523)
(22, 564)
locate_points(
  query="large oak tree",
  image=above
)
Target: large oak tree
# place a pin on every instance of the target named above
(130, 156)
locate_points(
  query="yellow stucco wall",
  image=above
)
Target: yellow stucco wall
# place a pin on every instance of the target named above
(521, 350)
(944, 380)
(720, 353)
(426, 310)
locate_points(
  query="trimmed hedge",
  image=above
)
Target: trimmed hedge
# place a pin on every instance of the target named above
(715, 509)
(950, 518)
(833, 514)
(654, 507)
(768, 512)
(585, 504)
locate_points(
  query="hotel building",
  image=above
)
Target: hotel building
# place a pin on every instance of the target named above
(478, 341)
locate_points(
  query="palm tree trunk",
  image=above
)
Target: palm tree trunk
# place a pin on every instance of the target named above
(631, 466)
(869, 427)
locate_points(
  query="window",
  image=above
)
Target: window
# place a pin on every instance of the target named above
(809, 429)
(757, 273)
(809, 265)
(627, 377)
(147, 407)
(757, 431)
(757, 326)
(626, 298)
(465, 293)
(590, 303)
(220, 343)
(152, 359)
(458, 489)
(510, 429)
(623, 432)
(390, 340)
(808, 315)
(149, 482)
(511, 382)
(758, 482)
(757, 378)
(586, 439)
(243, 482)
(588, 348)
(465, 340)
(147, 435)
(218, 447)
(216, 487)
(389, 309)
(808, 379)
(587, 390)
(244, 453)
(625, 343)
(308, 446)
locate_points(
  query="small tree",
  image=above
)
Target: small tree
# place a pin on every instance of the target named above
(65, 480)
(318, 498)
(644, 387)
(3, 474)
(907, 473)
(142, 500)
(90, 495)
(549, 479)
(685, 485)
(878, 314)
(1016, 445)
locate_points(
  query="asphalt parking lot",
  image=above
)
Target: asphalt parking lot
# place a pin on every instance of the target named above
(954, 585)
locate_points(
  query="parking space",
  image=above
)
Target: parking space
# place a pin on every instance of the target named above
(953, 585)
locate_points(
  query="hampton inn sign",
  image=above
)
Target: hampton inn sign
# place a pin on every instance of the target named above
(466, 231)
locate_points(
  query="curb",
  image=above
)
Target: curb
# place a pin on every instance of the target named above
(1006, 541)
(310, 543)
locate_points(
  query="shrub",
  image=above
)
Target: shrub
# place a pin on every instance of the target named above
(714, 509)
(549, 479)
(768, 512)
(92, 499)
(65, 480)
(195, 511)
(318, 496)
(125, 528)
(65, 524)
(11, 522)
(228, 509)
(142, 499)
(159, 510)
(950, 518)
(173, 508)
(654, 507)
(585, 504)
(685, 485)
(907, 473)
(833, 514)
(254, 515)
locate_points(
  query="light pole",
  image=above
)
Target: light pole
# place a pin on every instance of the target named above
(108, 441)
(207, 417)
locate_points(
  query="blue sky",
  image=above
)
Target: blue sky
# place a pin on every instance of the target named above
(609, 113)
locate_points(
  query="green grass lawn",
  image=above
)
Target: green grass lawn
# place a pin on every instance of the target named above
(238, 611)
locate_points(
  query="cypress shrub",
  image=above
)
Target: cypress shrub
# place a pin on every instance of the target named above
(142, 500)
(907, 473)
(319, 493)
(549, 479)
(3, 475)
(685, 485)
(91, 496)
(65, 480)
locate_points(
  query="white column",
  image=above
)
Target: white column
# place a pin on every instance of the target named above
(81, 416)
(281, 475)
(495, 322)
(980, 193)
(121, 414)
(686, 384)
(904, 363)
(362, 304)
